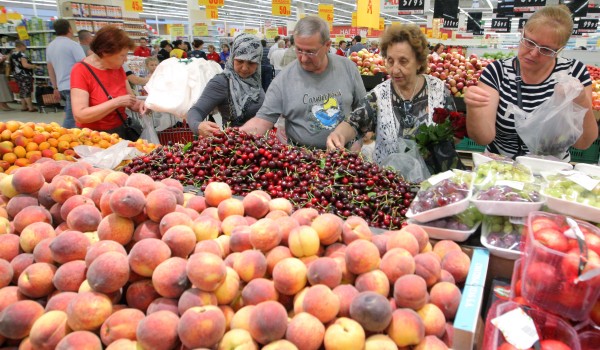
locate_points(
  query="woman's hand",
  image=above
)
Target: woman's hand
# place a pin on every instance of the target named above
(206, 129)
(477, 97)
(139, 107)
(125, 101)
(335, 140)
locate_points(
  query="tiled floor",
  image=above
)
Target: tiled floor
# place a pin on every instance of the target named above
(37, 117)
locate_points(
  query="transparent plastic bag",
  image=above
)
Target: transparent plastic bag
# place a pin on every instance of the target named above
(408, 163)
(108, 158)
(556, 124)
(149, 133)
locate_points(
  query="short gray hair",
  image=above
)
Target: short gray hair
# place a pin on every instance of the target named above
(311, 25)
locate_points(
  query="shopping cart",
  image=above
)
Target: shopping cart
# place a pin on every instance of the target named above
(45, 98)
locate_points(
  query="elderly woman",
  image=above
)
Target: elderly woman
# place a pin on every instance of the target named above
(397, 107)
(545, 34)
(23, 73)
(236, 92)
(92, 108)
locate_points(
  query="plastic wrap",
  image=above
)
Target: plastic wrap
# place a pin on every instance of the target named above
(502, 236)
(409, 163)
(574, 193)
(108, 158)
(457, 228)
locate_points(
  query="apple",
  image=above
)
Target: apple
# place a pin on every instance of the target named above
(552, 238)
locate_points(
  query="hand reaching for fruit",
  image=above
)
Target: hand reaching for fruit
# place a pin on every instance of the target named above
(206, 129)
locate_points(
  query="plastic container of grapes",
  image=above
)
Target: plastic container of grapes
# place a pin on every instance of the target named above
(441, 212)
(445, 233)
(547, 325)
(544, 282)
(578, 210)
(511, 254)
(588, 169)
(480, 158)
(537, 165)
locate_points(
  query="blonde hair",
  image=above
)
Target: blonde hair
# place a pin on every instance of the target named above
(556, 17)
(410, 33)
(150, 59)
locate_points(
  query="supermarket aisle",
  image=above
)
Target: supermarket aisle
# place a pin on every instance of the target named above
(37, 117)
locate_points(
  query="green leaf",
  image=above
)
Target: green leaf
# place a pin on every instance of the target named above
(337, 176)
(371, 194)
(187, 147)
(322, 164)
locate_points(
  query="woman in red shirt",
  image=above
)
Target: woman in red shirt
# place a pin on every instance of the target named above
(92, 108)
(212, 55)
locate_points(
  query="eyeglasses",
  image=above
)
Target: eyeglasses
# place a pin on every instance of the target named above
(407, 121)
(530, 44)
(308, 53)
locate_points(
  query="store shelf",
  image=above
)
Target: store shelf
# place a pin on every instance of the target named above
(29, 47)
(38, 62)
(98, 19)
(29, 32)
(41, 77)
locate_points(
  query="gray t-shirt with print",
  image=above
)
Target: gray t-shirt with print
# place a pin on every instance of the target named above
(313, 104)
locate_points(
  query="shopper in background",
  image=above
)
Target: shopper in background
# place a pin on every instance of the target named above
(165, 50)
(23, 73)
(5, 93)
(286, 41)
(273, 47)
(155, 48)
(357, 45)
(142, 50)
(92, 107)
(197, 52)
(397, 107)
(236, 92)
(277, 56)
(266, 69)
(545, 34)
(438, 49)
(290, 53)
(342, 47)
(85, 38)
(212, 54)
(374, 49)
(61, 54)
(224, 55)
(314, 93)
(187, 48)
(179, 49)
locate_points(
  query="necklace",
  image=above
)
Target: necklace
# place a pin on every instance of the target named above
(413, 93)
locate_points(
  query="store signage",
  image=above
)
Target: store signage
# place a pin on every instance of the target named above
(474, 24)
(271, 33)
(579, 8)
(389, 6)
(281, 8)
(22, 33)
(505, 9)
(522, 22)
(354, 24)
(252, 31)
(212, 12)
(450, 22)
(593, 12)
(177, 30)
(501, 25)
(411, 7)
(445, 9)
(3, 18)
(326, 12)
(339, 38)
(381, 23)
(367, 13)
(586, 25)
(528, 5)
(200, 29)
(134, 6)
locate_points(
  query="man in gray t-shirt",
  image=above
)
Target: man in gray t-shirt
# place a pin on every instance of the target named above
(314, 93)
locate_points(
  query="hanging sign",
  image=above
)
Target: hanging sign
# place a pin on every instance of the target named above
(389, 6)
(450, 22)
(271, 33)
(586, 25)
(200, 29)
(134, 6)
(252, 31)
(212, 12)
(354, 19)
(203, 2)
(522, 22)
(381, 23)
(177, 30)
(367, 13)
(281, 8)
(501, 25)
(411, 7)
(326, 12)
(528, 5)
(474, 23)
(22, 33)
(339, 38)
(3, 18)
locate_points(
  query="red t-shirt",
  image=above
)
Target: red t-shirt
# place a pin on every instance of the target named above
(114, 82)
(213, 56)
(142, 51)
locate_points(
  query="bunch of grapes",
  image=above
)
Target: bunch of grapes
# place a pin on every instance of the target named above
(560, 186)
(489, 173)
(503, 193)
(502, 233)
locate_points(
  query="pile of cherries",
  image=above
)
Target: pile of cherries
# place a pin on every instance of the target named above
(337, 182)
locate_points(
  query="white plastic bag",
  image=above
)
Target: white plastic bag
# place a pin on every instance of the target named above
(108, 158)
(149, 133)
(556, 124)
(408, 162)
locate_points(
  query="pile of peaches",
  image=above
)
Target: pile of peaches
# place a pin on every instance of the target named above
(22, 144)
(93, 258)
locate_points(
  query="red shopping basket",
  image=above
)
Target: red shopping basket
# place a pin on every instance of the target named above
(179, 133)
(13, 86)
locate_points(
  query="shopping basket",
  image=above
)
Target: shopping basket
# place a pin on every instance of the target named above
(14, 86)
(178, 133)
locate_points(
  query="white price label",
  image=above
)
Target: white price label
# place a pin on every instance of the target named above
(435, 179)
(518, 328)
(584, 181)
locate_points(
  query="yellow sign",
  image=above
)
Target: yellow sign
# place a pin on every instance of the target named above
(202, 2)
(381, 23)
(444, 36)
(134, 5)
(271, 33)
(367, 13)
(326, 12)
(3, 18)
(281, 8)
(177, 30)
(218, 3)
(212, 12)
(251, 31)
(22, 33)
(339, 38)
(200, 29)
(354, 19)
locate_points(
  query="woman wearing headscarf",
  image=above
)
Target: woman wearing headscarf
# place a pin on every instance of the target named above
(236, 92)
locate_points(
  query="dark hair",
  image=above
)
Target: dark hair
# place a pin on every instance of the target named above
(61, 26)
(276, 38)
(197, 43)
(143, 38)
(437, 46)
(187, 43)
(411, 34)
(110, 40)
(358, 38)
(263, 42)
(84, 34)
(164, 44)
(176, 43)
(292, 40)
(226, 45)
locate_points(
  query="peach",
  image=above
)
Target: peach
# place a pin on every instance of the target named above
(170, 278)
(427, 265)
(10, 295)
(405, 240)
(76, 170)
(268, 322)
(123, 344)
(201, 327)
(347, 276)
(6, 273)
(116, 177)
(346, 294)
(70, 276)
(206, 227)
(240, 239)
(140, 294)
(158, 331)
(121, 324)
(44, 197)
(433, 320)
(372, 311)
(446, 276)
(36, 280)
(71, 203)
(380, 342)
(80, 340)
(275, 255)
(396, 263)
(324, 271)
(64, 186)
(256, 204)
(208, 246)
(142, 182)
(286, 225)
(274, 215)
(29, 215)
(419, 233)
(305, 216)
(406, 328)
(34, 233)
(321, 302)
(259, 290)
(127, 201)
(216, 192)
(181, 240)
(431, 342)
(227, 291)
(88, 310)
(344, 334)
(446, 296)
(18, 202)
(163, 304)
(457, 264)
(230, 206)
(27, 180)
(9, 246)
(84, 218)
(49, 170)
(303, 241)
(108, 273)
(159, 203)
(265, 235)
(237, 339)
(89, 181)
(381, 242)
(290, 276)
(101, 247)
(212, 212)
(241, 319)
(410, 291)
(373, 281)
(197, 203)
(206, 271)
(17, 319)
(68, 246)
(116, 228)
(281, 204)
(60, 301)
(328, 227)
(305, 331)
(19, 264)
(231, 222)
(48, 330)
(355, 228)
(147, 254)
(250, 264)
(104, 205)
(147, 229)
(443, 247)
(99, 190)
(362, 256)
(280, 344)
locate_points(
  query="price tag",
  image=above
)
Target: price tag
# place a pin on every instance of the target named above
(450, 22)
(501, 25)
(584, 181)
(518, 328)
(528, 5)
(22, 33)
(354, 19)
(411, 7)
(326, 12)
(512, 184)
(522, 22)
(271, 33)
(586, 25)
(134, 5)
(212, 12)
(281, 8)
(435, 179)
(177, 30)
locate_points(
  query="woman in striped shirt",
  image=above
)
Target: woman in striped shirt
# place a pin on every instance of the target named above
(545, 34)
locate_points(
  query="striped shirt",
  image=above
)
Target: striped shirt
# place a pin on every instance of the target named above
(500, 75)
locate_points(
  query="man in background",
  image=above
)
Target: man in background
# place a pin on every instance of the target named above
(274, 47)
(290, 53)
(357, 45)
(266, 69)
(142, 50)
(61, 54)
(85, 38)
